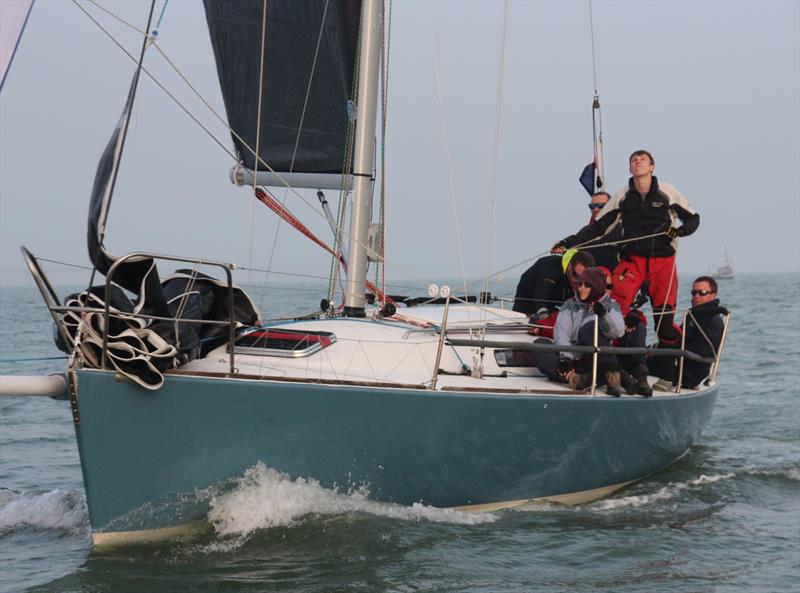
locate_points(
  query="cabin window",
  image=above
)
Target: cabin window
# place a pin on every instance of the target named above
(514, 358)
(283, 342)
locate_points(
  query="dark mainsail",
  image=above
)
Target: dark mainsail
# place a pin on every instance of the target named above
(292, 35)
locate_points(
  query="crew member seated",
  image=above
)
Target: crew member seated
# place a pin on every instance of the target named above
(575, 326)
(704, 326)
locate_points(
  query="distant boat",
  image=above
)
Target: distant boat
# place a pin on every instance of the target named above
(725, 271)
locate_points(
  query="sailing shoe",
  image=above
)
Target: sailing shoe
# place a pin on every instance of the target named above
(579, 381)
(613, 383)
(663, 385)
(629, 384)
(643, 387)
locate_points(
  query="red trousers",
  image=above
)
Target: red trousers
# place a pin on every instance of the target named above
(660, 271)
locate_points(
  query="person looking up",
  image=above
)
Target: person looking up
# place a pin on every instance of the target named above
(648, 212)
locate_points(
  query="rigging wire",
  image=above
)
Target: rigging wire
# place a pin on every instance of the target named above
(297, 137)
(495, 152)
(199, 96)
(258, 132)
(597, 116)
(594, 61)
(154, 79)
(216, 114)
(385, 47)
(447, 148)
(160, 17)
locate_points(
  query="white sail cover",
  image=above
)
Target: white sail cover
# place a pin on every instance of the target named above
(13, 16)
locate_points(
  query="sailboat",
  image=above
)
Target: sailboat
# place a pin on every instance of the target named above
(725, 271)
(178, 387)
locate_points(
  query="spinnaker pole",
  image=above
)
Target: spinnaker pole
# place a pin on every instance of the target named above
(363, 158)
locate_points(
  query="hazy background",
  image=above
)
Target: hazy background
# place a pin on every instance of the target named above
(712, 89)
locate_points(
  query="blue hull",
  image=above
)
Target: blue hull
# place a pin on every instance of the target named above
(140, 449)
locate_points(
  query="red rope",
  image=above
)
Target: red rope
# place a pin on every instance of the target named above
(267, 199)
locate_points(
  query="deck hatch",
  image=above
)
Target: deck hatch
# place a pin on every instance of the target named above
(283, 342)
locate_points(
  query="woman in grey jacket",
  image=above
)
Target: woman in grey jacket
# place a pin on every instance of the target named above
(575, 326)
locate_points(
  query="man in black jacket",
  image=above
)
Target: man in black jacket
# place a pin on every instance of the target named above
(704, 326)
(646, 211)
(549, 282)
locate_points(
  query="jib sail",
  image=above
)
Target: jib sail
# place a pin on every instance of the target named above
(306, 98)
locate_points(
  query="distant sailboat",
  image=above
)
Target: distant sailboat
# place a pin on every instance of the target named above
(725, 271)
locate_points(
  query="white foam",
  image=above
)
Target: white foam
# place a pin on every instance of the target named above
(792, 473)
(667, 492)
(264, 498)
(54, 509)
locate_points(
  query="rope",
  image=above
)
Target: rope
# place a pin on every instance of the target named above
(702, 333)
(660, 314)
(447, 149)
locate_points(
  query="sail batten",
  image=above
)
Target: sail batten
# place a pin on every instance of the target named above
(309, 61)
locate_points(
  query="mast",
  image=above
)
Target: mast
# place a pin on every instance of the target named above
(363, 158)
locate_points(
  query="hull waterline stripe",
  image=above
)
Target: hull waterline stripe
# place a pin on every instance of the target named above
(121, 538)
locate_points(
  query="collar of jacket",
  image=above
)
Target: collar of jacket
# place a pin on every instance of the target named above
(709, 308)
(653, 187)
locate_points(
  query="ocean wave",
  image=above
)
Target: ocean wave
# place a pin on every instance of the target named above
(667, 492)
(62, 510)
(264, 498)
(791, 473)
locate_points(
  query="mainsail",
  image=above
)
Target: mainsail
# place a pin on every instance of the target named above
(13, 16)
(309, 51)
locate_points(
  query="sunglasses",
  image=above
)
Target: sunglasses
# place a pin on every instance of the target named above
(596, 206)
(701, 292)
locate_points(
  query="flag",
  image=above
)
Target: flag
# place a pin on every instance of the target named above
(587, 178)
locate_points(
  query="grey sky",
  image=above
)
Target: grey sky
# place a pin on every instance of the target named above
(712, 89)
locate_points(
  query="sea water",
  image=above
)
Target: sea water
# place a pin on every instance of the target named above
(726, 517)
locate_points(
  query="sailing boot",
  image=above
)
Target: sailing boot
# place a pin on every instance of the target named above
(629, 384)
(613, 381)
(642, 386)
(579, 381)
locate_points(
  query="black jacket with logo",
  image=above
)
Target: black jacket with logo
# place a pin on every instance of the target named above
(631, 215)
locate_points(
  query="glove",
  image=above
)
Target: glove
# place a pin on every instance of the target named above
(673, 232)
(564, 365)
(540, 314)
(632, 319)
(599, 309)
(558, 248)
